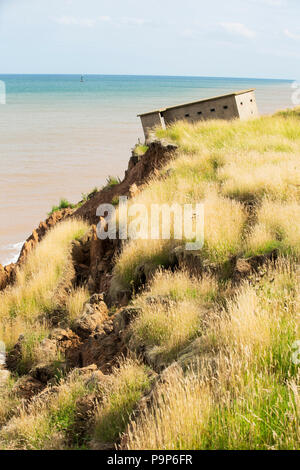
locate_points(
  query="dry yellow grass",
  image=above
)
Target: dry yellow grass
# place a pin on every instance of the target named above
(278, 227)
(75, 302)
(165, 330)
(34, 292)
(223, 164)
(243, 391)
(265, 134)
(224, 221)
(8, 401)
(178, 415)
(223, 226)
(120, 395)
(179, 285)
(247, 324)
(252, 176)
(172, 312)
(47, 424)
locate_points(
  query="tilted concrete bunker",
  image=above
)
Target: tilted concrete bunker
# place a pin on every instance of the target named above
(240, 104)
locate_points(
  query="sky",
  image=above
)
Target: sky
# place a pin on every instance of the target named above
(232, 38)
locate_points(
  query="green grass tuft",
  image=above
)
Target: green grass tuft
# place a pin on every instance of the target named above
(63, 204)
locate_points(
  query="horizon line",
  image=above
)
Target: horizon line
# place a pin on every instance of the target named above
(149, 75)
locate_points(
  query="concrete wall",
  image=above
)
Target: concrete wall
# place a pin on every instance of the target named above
(151, 120)
(246, 105)
(220, 108)
(232, 106)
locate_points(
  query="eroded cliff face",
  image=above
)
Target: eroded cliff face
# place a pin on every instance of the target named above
(97, 340)
(93, 257)
(6, 275)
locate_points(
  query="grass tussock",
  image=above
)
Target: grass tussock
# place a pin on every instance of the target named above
(111, 181)
(120, 397)
(173, 309)
(8, 400)
(75, 302)
(140, 150)
(278, 227)
(87, 196)
(177, 417)
(63, 204)
(31, 353)
(48, 424)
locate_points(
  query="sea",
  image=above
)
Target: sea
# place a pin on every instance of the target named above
(61, 137)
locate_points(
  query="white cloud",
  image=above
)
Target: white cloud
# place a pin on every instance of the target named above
(238, 29)
(188, 33)
(105, 19)
(133, 21)
(71, 20)
(272, 3)
(91, 22)
(291, 35)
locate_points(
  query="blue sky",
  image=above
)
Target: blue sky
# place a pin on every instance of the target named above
(232, 38)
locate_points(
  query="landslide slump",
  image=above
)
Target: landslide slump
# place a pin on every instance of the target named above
(117, 340)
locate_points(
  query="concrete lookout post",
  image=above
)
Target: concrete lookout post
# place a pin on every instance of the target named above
(238, 105)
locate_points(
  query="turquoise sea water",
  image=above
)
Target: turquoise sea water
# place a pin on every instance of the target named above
(60, 137)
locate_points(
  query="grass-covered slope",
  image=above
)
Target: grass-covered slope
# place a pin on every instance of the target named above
(246, 173)
(217, 365)
(27, 306)
(233, 382)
